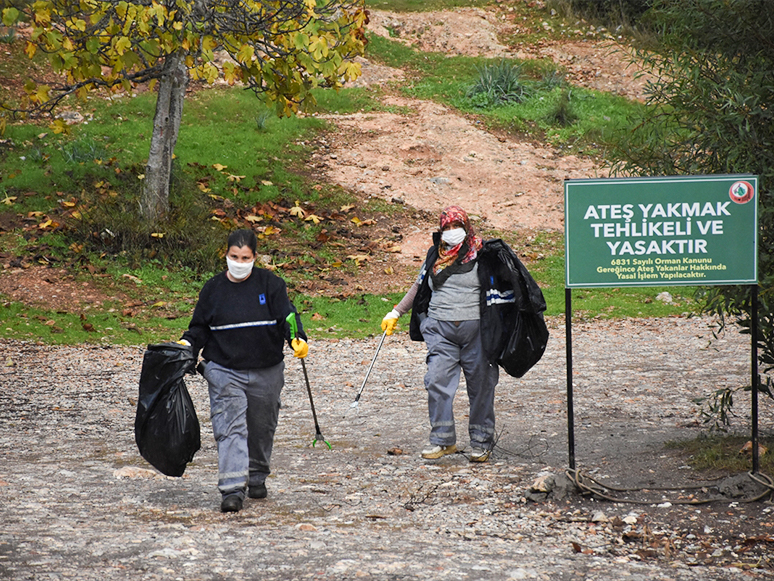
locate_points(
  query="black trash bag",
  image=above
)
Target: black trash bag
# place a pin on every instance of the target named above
(526, 344)
(166, 428)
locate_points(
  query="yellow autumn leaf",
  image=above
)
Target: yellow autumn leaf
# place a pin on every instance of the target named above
(41, 93)
(158, 305)
(59, 126)
(266, 183)
(122, 44)
(347, 208)
(269, 230)
(312, 218)
(252, 218)
(204, 188)
(245, 54)
(233, 178)
(297, 211)
(157, 234)
(45, 224)
(8, 200)
(219, 167)
(359, 257)
(68, 204)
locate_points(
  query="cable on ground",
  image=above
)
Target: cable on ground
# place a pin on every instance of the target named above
(589, 486)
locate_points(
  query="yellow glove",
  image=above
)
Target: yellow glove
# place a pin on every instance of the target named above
(183, 342)
(300, 348)
(390, 321)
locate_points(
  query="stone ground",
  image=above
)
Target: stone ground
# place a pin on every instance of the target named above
(79, 502)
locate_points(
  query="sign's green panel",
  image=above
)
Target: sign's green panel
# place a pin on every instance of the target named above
(686, 230)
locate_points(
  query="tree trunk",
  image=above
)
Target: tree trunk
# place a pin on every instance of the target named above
(154, 203)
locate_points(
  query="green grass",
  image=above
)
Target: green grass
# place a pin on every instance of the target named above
(596, 121)
(356, 317)
(721, 452)
(105, 327)
(227, 127)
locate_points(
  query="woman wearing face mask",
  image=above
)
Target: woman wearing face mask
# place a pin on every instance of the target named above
(239, 324)
(460, 306)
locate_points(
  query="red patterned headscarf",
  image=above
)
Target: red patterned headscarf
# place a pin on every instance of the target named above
(446, 256)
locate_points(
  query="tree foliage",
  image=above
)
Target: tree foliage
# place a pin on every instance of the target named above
(281, 49)
(712, 112)
(614, 11)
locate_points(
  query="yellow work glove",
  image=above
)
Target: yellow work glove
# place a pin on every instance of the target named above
(390, 321)
(300, 348)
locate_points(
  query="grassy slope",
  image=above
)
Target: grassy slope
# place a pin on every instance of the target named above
(232, 129)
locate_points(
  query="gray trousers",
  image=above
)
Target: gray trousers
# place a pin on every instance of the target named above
(244, 407)
(451, 347)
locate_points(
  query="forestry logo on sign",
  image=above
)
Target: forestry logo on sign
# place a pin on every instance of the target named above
(741, 192)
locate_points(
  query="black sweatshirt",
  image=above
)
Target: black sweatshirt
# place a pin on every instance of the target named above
(241, 325)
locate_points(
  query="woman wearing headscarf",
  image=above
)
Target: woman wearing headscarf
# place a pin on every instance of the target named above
(463, 306)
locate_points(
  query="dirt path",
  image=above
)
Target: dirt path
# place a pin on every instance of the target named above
(431, 156)
(80, 503)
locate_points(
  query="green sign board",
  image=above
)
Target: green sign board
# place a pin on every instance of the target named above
(686, 230)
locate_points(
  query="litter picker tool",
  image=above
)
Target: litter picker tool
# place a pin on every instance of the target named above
(318, 437)
(370, 367)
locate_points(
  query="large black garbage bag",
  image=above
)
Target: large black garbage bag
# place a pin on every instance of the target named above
(166, 428)
(526, 344)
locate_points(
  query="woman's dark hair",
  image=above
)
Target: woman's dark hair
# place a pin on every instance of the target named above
(240, 238)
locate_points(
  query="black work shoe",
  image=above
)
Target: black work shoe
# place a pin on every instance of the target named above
(231, 503)
(257, 491)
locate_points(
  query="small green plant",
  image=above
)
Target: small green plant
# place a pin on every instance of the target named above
(715, 409)
(393, 32)
(262, 119)
(83, 150)
(550, 80)
(7, 35)
(497, 84)
(562, 113)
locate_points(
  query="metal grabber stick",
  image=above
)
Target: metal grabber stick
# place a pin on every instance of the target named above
(359, 393)
(318, 437)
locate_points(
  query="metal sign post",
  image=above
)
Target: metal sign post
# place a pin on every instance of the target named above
(755, 380)
(570, 410)
(661, 231)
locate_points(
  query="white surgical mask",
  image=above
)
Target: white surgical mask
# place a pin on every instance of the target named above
(239, 270)
(454, 236)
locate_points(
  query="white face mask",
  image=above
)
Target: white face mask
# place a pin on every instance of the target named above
(239, 270)
(454, 236)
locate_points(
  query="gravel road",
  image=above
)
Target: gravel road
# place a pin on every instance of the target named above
(80, 503)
